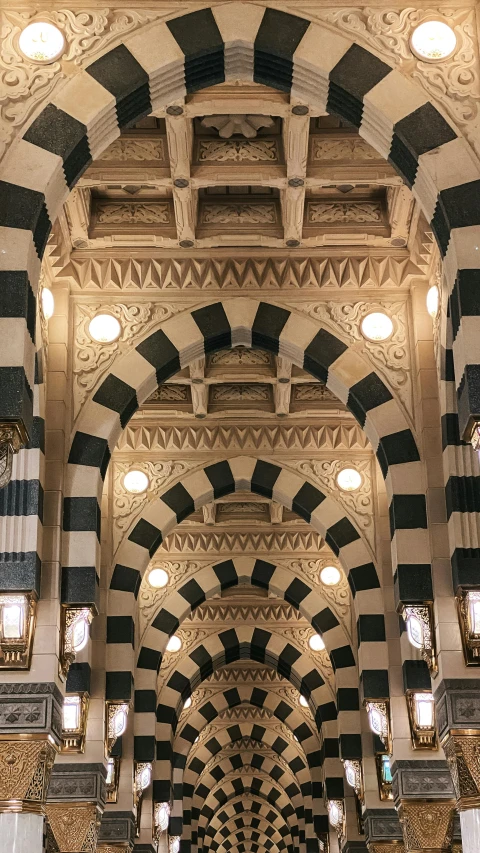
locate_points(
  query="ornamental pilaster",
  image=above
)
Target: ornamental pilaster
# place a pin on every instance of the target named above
(76, 799)
(424, 799)
(458, 716)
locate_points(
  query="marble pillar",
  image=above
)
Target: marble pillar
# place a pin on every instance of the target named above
(21, 832)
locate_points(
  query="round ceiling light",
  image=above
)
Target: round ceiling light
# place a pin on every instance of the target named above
(187, 703)
(432, 301)
(433, 41)
(316, 643)
(136, 482)
(158, 578)
(41, 41)
(348, 480)
(376, 326)
(48, 303)
(303, 701)
(174, 644)
(330, 576)
(104, 328)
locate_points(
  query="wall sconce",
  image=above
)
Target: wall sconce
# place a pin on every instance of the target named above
(384, 776)
(74, 633)
(419, 623)
(323, 842)
(74, 722)
(421, 714)
(161, 818)
(468, 603)
(354, 777)
(142, 779)
(336, 816)
(116, 717)
(113, 778)
(17, 624)
(379, 720)
(174, 844)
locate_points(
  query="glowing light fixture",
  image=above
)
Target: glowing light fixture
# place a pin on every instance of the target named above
(158, 578)
(354, 776)
(187, 704)
(42, 42)
(113, 778)
(349, 479)
(384, 776)
(75, 632)
(303, 701)
(74, 722)
(17, 622)
(468, 602)
(421, 714)
(433, 41)
(379, 722)
(116, 720)
(48, 303)
(419, 623)
(432, 301)
(136, 482)
(330, 576)
(174, 844)
(336, 815)
(376, 326)
(104, 328)
(161, 817)
(174, 644)
(316, 643)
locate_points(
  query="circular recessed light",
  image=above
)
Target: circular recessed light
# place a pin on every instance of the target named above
(348, 480)
(433, 41)
(104, 328)
(296, 738)
(42, 42)
(187, 703)
(376, 326)
(197, 739)
(330, 576)
(303, 701)
(136, 482)
(158, 578)
(432, 301)
(316, 643)
(174, 644)
(48, 303)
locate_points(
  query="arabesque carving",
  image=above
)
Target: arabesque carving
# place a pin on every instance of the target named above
(88, 32)
(391, 357)
(25, 767)
(73, 827)
(237, 151)
(344, 212)
(134, 213)
(126, 505)
(138, 149)
(92, 359)
(247, 543)
(341, 149)
(462, 751)
(240, 213)
(426, 826)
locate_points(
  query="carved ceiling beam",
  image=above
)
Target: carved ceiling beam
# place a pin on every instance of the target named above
(295, 140)
(180, 144)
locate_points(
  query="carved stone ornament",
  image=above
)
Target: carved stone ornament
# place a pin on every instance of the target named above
(133, 213)
(387, 847)
(92, 359)
(72, 827)
(344, 212)
(462, 751)
(246, 125)
(25, 768)
(239, 213)
(125, 149)
(237, 151)
(341, 149)
(427, 826)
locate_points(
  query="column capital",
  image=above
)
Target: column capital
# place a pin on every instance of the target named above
(383, 831)
(117, 830)
(421, 780)
(25, 767)
(72, 827)
(458, 717)
(77, 782)
(32, 710)
(427, 826)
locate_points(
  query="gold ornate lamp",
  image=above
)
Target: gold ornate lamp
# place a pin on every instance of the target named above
(116, 717)
(74, 722)
(468, 605)
(142, 779)
(336, 817)
(161, 818)
(384, 776)
(354, 777)
(419, 623)
(379, 720)
(421, 715)
(113, 778)
(74, 634)
(13, 437)
(17, 626)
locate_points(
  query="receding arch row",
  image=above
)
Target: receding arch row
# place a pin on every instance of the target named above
(175, 504)
(232, 322)
(246, 816)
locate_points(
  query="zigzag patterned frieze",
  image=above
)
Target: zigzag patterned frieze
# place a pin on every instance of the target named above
(247, 543)
(246, 612)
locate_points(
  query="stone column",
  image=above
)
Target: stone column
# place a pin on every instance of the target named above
(383, 831)
(76, 799)
(30, 731)
(424, 798)
(117, 832)
(458, 716)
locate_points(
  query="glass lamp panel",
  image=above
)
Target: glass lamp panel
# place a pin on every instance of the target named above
(376, 721)
(415, 631)
(350, 774)
(80, 633)
(474, 612)
(110, 771)
(71, 713)
(333, 813)
(424, 710)
(119, 722)
(386, 771)
(12, 621)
